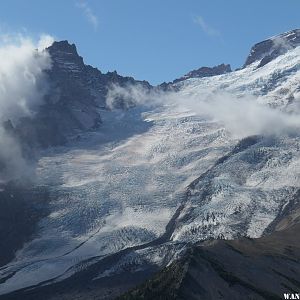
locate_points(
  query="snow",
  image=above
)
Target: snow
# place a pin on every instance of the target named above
(115, 193)
(119, 187)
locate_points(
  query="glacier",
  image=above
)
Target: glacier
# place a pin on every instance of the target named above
(120, 186)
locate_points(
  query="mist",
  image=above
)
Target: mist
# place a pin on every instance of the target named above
(23, 84)
(22, 77)
(240, 116)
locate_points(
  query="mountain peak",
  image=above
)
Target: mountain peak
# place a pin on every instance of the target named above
(65, 56)
(271, 48)
(64, 46)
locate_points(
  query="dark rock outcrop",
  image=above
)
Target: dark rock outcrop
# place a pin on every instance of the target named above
(198, 73)
(269, 49)
(205, 72)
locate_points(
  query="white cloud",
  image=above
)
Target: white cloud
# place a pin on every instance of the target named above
(45, 41)
(89, 14)
(23, 85)
(241, 117)
(206, 28)
(22, 77)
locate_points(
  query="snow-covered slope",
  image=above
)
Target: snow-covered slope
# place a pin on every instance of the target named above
(243, 193)
(155, 178)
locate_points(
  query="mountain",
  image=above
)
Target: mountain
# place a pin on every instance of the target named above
(76, 94)
(269, 49)
(187, 187)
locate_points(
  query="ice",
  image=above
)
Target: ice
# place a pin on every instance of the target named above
(120, 186)
(113, 189)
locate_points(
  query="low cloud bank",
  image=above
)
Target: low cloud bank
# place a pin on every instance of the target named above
(23, 84)
(241, 116)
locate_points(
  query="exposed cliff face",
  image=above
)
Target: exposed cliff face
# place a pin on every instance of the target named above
(269, 49)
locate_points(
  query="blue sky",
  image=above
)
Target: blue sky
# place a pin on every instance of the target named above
(157, 40)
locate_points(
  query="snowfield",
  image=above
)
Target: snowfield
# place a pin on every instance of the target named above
(119, 187)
